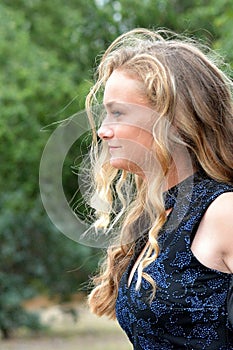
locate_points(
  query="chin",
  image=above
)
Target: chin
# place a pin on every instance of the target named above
(119, 164)
(123, 164)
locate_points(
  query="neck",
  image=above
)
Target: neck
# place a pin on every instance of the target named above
(175, 177)
(181, 167)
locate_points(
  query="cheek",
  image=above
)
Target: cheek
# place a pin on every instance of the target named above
(147, 139)
(135, 134)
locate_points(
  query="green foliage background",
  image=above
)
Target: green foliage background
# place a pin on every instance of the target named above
(48, 50)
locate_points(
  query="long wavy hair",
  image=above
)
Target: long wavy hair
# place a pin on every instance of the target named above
(185, 87)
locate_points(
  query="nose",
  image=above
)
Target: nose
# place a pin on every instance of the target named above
(105, 132)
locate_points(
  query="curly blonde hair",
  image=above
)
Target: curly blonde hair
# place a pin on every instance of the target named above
(188, 91)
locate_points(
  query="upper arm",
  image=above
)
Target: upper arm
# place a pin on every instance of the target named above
(213, 241)
(219, 216)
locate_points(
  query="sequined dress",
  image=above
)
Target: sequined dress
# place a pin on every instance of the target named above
(191, 306)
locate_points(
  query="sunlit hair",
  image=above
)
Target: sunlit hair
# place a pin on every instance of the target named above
(187, 90)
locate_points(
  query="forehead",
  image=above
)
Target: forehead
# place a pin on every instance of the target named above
(122, 87)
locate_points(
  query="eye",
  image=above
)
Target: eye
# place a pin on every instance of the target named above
(116, 114)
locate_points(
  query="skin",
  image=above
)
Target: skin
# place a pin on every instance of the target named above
(131, 141)
(213, 242)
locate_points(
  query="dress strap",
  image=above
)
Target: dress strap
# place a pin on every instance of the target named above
(230, 301)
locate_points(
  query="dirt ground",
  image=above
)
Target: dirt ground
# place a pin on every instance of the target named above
(88, 332)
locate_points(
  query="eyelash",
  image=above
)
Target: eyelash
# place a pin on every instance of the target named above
(116, 114)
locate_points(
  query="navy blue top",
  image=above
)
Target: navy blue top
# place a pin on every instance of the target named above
(193, 305)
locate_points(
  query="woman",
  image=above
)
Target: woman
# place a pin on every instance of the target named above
(164, 167)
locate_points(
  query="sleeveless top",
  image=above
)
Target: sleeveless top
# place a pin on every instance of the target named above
(193, 305)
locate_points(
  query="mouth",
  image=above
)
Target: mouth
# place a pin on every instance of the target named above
(113, 148)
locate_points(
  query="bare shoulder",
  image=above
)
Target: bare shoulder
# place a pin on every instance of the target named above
(220, 213)
(221, 207)
(213, 242)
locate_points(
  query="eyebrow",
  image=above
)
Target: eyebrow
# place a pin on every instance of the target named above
(109, 104)
(112, 103)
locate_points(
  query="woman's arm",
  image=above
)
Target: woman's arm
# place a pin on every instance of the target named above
(221, 215)
(213, 241)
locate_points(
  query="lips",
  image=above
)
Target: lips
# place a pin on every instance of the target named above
(113, 148)
(110, 146)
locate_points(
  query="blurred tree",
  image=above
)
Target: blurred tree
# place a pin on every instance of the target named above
(47, 52)
(35, 84)
(213, 20)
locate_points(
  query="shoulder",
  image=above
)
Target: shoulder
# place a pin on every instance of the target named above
(220, 213)
(213, 241)
(221, 208)
(218, 220)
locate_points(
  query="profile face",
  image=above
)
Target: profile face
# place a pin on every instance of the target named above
(127, 127)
